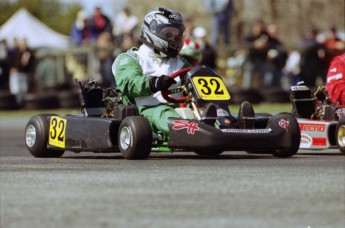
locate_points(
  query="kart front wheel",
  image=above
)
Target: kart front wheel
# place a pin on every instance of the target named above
(36, 137)
(295, 135)
(340, 135)
(135, 138)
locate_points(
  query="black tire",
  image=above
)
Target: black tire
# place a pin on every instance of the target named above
(295, 137)
(275, 95)
(135, 138)
(209, 152)
(69, 99)
(7, 101)
(239, 95)
(41, 101)
(340, 135)
(39, 126)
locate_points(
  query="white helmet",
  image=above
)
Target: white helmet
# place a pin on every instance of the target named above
(163, 30)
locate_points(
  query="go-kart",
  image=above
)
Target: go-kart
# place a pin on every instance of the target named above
(206, 126)
(322, 123)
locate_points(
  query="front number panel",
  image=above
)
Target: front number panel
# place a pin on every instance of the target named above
(57, 131)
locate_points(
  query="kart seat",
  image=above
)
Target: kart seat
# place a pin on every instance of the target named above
(302, 101)
(94, 104)
(209, 115)
(246, 115)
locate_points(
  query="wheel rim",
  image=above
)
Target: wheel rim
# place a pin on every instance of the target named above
(30, 136)
(341, 136)
(125, 138)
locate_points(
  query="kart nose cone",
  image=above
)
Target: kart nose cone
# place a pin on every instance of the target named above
(341, 136)
(30, 136)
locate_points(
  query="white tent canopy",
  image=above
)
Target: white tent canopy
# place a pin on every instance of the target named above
(23, 25)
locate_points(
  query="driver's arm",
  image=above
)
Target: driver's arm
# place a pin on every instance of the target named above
(129, 76)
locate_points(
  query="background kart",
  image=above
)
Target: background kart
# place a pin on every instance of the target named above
(206, 126)
(322, 123)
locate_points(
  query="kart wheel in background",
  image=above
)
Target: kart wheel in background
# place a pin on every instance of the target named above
(69, 99)
(41, 101)
(135, 138)
(295, 134)
(209, 152)
(7, 101)
(36, 137)
(275, 95)
(340, 135)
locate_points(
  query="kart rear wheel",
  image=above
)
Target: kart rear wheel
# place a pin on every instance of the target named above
(209, 152)
(135, 138)
(340, 135)
(36, 137)
(295, 136)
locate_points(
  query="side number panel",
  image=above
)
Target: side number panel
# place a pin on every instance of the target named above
(57, 131)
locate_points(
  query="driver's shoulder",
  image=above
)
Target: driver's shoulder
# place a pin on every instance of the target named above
(129, 56)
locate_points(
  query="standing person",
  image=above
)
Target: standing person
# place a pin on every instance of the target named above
(79, 30)
(336, 80)
(141, 74)
(125, 24)
(313, 58)
(209, 54)
(258, 44)
(221, 11)
(20, 71)
(99, 23)
(4, 65)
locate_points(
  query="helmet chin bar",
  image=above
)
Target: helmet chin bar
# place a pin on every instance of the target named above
(159, 51)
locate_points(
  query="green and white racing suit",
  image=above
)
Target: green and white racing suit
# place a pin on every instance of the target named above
(132, 71)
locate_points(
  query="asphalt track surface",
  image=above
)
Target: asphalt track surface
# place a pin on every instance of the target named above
(169, 189)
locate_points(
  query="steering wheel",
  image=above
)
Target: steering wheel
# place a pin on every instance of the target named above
(166, 93)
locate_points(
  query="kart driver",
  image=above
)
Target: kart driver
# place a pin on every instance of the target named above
(141, 74)
(336, 80)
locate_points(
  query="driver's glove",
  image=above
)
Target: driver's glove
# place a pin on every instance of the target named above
(160, 83)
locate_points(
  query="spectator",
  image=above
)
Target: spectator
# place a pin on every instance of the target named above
(125, 24)
(189, 23)
(79, 29)
(104, 53)
(209, 54)
(221, 11)
(4, 65)
(20, 72)
(276, 58)
(313, 62)
(99, 23)
(46, 71)
(258, 44)
(291, 70)
(336, 80)
(333, 44)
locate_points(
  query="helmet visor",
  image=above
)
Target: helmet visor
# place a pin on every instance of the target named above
(171, 34)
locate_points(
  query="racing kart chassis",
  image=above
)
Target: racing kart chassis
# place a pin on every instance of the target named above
(108, 125)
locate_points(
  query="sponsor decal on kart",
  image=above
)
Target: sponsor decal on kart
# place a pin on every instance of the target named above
(284, 124)
(222, 112)
(319, 142)
(57, 131)
(185, 124)
(247, 131)
(312, 127)
(306, 141)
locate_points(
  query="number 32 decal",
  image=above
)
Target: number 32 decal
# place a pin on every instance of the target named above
(211, 88)
(57, 131)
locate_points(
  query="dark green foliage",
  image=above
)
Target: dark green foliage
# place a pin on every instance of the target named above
(53, 13)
